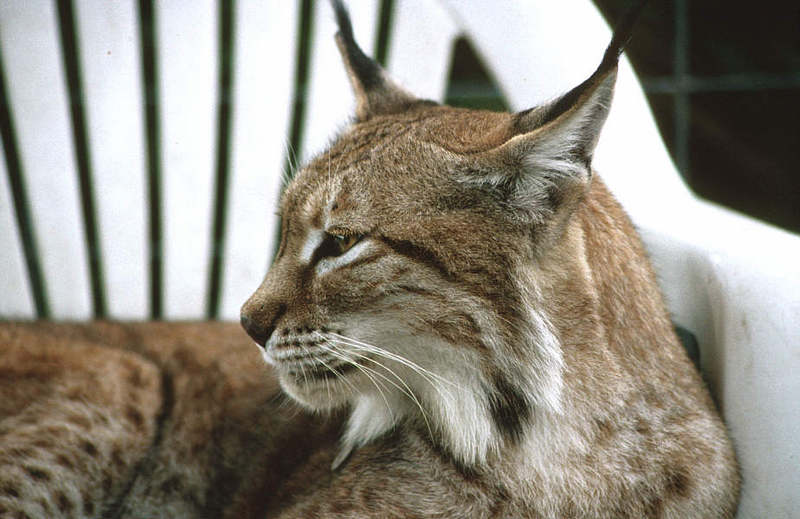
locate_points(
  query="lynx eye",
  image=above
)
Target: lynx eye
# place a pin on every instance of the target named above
(336, 244)
(345, 243)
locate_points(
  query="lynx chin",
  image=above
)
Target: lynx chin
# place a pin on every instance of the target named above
(460, 322)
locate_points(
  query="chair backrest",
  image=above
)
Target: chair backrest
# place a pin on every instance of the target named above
(145, 141)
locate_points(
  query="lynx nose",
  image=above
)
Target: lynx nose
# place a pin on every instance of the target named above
(259, 320)
(259, 333)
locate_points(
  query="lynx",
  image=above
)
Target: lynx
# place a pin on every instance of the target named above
(460, 322)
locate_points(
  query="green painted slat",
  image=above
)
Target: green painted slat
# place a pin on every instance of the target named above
(689, 342)
(71, 56)
(384, 31)
(469, 83)
(305, 27)
(226, 57)
(304, 32)
(147, 26)
(16, 180)
(682, 104)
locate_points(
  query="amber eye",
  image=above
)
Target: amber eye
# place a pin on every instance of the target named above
(336, 244)
(345, 243)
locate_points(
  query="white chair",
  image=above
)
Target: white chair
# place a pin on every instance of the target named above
(730, 280)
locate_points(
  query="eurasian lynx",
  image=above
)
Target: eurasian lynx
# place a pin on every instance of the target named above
(460, 302)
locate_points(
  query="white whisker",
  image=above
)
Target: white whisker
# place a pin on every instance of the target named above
(338, 375)
(407, 391)
(443, 393)
(427, 374)
(374, 382)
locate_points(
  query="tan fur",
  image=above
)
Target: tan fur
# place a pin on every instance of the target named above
(488, 341)
(142, 420)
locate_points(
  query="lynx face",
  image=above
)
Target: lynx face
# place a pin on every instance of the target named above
(381, 251)
(406, 281)
(396, 279)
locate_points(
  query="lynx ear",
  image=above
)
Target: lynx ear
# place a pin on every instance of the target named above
(552, 147)
(375, 92)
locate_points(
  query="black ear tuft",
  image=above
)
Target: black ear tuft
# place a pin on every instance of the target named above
(343, 19)
(622, 35)
(368, 72)
(375, 92)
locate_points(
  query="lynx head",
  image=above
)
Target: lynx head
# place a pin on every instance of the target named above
(406, 285)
